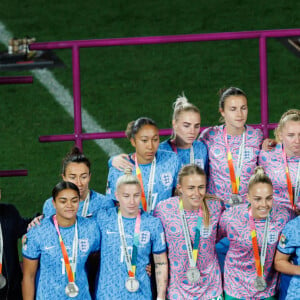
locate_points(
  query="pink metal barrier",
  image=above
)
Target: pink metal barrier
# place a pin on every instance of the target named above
(78, 136)
(15, 80)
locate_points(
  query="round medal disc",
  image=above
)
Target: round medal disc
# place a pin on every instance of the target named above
(132, 284)
(235, 199)
(72, 290)
(2, 281)
(260, 284)
(193, 275)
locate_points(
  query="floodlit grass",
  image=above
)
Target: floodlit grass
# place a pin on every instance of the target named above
(122, 83)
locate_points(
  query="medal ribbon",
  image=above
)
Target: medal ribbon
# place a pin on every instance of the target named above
(130, 261)
(259, 260)
(1, 249)
(86, 205)
(235, 176)
(70, 268)
(192, 252)
(293, 198)
(174, 149)
(146, 202)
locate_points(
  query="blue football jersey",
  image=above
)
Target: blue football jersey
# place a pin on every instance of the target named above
(113, 269)
(42, 243)
(289, 243)
(165, 178)
(200, 154)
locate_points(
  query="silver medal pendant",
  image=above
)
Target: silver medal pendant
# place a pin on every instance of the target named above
(235, 199)
(193, 274)
(132, 284)
(2, 281)
(72, 290)
(260, 284)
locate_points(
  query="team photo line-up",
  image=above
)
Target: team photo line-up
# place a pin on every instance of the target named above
(213, 216)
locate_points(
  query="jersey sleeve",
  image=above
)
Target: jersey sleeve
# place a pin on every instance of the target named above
(288, 239)
(96, 233)
(158, 237)
(30, 244)
(112, 178)
(48, 208)
(222, 227)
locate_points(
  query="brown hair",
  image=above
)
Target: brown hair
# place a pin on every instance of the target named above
(192, 169)
(134, 127)
(290, 115)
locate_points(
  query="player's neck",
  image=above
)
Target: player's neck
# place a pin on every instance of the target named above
(84, 196)
(231, 130)
(64, 222)
(181, 144)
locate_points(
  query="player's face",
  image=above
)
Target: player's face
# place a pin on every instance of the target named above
(187, 127)
(290, 138)
(192, 190)
(146, 143)
(66, 204)
(79, 174)
(129, 197)
(235, 112)
(260, 197)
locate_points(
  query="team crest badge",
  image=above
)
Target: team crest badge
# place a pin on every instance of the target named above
(273, 237)
(144, 237)
(166, 179)
(83, 245)
(206, 231)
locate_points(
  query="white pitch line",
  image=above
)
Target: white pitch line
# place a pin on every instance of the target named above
(64, 98)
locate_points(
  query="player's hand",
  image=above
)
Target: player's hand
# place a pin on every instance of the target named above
(268, 144)
(121, 162)
(148, 270)
(36, 221)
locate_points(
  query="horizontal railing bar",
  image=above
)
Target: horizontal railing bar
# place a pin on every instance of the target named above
(165, 39)
(10, 173)
(16, 79)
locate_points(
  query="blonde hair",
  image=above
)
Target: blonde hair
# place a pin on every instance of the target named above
(259, 176)
(182, 105)
(290, 115)
(127, 178)
(192, 169)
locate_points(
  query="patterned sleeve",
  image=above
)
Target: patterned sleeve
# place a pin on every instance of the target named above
(288, 240)
(96, 233)
(158, 237)
(222, 227)
(112, 178)
(30, 244)
(204, 136)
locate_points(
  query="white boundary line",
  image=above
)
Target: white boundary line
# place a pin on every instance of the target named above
(63, 97)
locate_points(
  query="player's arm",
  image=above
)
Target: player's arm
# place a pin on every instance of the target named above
(161, 274)
(28, 283)
(283, 265)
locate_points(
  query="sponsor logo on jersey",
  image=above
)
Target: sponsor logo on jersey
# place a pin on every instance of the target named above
(166, 179)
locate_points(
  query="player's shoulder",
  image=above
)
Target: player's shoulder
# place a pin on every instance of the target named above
(165, 145)
(165, 156)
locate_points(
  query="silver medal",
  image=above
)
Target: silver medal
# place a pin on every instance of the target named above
(260, 284)
(235, 199)
(193, 274)
(72, 290)
(132, 284)
(2, 281)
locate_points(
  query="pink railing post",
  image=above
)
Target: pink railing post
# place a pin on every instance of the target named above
(14, 80)
(263, 70)
(77, 96)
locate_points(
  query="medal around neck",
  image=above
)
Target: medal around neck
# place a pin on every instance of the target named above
(260, 284)
(193, 274)
(2, 281)
(132, 284)
(72, 290)
(235, 199)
